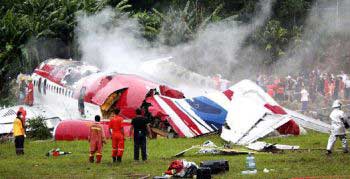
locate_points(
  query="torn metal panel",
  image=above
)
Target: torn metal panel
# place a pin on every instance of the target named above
(267, 147)
(308, 122)
(192, 117)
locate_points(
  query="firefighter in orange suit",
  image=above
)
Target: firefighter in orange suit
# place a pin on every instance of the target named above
(29, 100)
(97, 139)
(117, 133)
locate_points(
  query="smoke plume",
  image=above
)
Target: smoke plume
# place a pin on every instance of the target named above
(323, 42)
(117, 44)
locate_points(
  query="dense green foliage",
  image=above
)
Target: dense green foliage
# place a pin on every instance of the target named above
(29, 28)
(38, 129)
(34, 164)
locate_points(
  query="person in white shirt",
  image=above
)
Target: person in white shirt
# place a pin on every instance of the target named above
(338, 127)
(347, 89)
(304, 100)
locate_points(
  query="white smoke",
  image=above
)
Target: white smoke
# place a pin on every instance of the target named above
(216, 48)
(116, 44)
(113, 45)
(322, 40)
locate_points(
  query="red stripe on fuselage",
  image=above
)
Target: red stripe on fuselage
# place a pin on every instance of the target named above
(188, 121)
(171, 122)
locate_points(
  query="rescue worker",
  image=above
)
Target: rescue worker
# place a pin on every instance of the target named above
(97, 139)
(140, 126)
(22, 89)
(117, 132)
(18, 133)
(338, 120)
(29, 100)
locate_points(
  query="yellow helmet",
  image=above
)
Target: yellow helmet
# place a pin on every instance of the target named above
(30, 79)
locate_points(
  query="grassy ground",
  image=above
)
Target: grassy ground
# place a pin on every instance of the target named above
(34, 164)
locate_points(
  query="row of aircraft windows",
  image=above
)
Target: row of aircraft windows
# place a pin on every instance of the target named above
(56, 89)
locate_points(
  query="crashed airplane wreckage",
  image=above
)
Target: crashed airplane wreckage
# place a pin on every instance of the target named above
(69, 93)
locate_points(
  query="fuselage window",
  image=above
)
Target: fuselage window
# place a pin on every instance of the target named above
(39, 85)
(45, 86)
(81, 97)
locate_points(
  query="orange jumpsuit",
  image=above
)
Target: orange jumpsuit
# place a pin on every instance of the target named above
(115, 124)
(96, 138)
(29, 100)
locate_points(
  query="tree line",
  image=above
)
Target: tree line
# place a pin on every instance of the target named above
(28, 28)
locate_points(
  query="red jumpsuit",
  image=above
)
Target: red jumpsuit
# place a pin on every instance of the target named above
(96, 138)
(29, 100)
(115, 124)
(24, 114)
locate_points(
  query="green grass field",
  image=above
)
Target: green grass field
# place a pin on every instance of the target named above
(34, 164)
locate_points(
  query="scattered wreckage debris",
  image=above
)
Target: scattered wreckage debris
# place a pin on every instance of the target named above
(216, 166)
(56, 152)
(185, 169)
(208, 147)
(267, 147)
(276, 148)
(182, 168)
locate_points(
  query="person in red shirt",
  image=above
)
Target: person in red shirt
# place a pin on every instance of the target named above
(117, 133)
(97, 139)
(24, 114)
(29, 100)
(326, 90)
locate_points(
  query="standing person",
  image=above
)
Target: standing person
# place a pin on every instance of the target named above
(304, 100)
(140, 126)
(117, 132)
(18, 133)
(29, 93)
(326, 90)
(338, 124)
(347, 89)
(331, 86)
(337, 88)
(22, 89)
(24, 114)
(97, 139)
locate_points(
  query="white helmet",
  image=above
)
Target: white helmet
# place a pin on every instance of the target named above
(336, 104)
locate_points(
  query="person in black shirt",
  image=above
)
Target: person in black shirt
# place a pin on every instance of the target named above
(140, 126)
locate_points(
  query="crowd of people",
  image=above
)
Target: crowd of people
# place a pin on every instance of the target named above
(307, 87)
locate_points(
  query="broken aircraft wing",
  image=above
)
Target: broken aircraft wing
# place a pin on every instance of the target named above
(309, 122)
(247, 121)
(253, 114)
